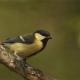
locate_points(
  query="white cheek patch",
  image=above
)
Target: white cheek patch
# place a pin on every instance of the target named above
(39, 37)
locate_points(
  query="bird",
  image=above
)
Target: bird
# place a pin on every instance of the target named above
(23, 47)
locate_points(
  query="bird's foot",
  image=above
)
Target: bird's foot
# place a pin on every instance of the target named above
(20, 64)
(12, 64)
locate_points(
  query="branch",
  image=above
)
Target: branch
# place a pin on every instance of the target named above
(31, 73)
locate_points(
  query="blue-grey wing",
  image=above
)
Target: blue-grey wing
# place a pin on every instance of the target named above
(13, 40)
(20, 39)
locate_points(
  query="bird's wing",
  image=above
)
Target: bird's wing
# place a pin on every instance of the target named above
(20, 39)
(29, 39)
(12, 40)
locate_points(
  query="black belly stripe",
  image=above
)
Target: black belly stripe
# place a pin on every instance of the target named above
(44, 45)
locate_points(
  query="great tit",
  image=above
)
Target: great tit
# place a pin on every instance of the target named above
(25, 46)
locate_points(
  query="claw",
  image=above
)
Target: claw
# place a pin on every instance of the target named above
(21, 65)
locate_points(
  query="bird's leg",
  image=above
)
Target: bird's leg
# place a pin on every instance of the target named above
(25, 63)
(21, 63)
(11, 60)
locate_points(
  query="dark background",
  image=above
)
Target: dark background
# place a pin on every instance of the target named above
(61, 58)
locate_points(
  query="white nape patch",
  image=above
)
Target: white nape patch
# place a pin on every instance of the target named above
(39, 36)
(22, 38)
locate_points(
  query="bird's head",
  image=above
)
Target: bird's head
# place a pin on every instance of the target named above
(42, 35)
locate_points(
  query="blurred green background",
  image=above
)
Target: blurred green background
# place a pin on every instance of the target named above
(61, 58)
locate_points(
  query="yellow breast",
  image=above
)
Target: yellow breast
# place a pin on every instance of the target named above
(25, 50)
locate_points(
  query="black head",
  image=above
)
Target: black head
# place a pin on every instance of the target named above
(42, 34)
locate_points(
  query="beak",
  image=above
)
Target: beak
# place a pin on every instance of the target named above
(49, 37)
